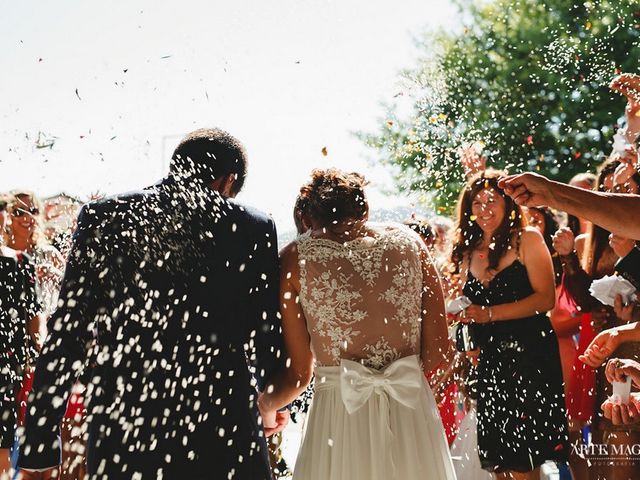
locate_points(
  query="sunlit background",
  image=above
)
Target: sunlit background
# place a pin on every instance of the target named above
(95, 95)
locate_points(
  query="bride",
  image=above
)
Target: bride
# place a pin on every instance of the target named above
(362, 307)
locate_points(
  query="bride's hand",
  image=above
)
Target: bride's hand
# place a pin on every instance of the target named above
(269, 419)
(268, 414)
(282, 419)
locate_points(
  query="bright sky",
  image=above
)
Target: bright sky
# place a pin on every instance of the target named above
(287, 77)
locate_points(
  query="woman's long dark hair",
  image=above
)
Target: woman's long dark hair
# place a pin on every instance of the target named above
(551, 226)
(468, 235)
(573, 222)
(598, 237)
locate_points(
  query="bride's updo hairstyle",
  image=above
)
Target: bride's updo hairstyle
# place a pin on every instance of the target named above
(333, 196)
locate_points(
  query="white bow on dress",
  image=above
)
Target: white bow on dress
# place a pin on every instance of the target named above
(401, 380)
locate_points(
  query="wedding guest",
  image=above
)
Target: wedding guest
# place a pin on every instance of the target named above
(19, 321)
(580, 381)
(26, 234)
(598, 260)
(612, 212)
(589, 256)
(564, 317)
(510, 280)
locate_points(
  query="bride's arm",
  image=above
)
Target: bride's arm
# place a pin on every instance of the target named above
(435, 335)
(290, 382)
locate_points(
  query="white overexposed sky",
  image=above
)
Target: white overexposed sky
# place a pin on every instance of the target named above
(118, 83)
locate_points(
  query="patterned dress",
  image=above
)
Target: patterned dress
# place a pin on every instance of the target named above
(18, 305)
(522, 419)
(373, 414)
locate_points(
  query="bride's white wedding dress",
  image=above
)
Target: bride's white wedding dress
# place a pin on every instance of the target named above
(373, 415)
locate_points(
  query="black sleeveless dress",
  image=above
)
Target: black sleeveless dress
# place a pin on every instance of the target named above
(18, 304)
(522, 419)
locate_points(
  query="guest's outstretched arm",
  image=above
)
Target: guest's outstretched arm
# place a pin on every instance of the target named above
(618, 213)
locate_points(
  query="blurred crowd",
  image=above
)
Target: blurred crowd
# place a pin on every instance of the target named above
(34, 243)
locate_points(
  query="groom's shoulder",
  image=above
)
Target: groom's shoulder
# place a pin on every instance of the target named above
(248, 214)
(119, 209)
(108, 206)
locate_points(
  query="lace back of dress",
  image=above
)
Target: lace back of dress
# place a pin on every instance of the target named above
(362, 299)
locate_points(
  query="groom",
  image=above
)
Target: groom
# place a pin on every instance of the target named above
(170, 301)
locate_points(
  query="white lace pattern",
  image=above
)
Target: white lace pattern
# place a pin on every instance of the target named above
(362, 299)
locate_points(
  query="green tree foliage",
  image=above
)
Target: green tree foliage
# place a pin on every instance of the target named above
(528, 78)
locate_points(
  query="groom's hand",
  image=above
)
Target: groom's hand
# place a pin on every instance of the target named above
(528, 189)
(282, 420)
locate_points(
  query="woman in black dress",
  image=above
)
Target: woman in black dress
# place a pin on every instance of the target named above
(507, 273)
(18, 315)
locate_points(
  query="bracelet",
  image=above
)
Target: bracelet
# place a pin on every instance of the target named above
(490, 315)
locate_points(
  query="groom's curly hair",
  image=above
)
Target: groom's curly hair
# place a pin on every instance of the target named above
(333, 196)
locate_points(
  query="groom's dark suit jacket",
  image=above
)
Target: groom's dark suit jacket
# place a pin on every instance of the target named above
(170, 302)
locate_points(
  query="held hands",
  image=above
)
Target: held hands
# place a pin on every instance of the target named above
(281, 421)
(563, 241)
(268, 418)
(273, 421)
(601, 347)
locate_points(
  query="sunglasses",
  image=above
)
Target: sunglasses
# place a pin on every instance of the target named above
(21, 212)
